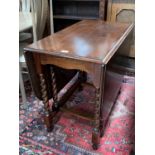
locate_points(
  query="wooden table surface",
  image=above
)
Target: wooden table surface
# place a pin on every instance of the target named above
(25, 21)
(89, 40)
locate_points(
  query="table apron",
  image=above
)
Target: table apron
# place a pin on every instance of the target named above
(94, 69)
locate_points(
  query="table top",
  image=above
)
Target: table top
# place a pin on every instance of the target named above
(88, 40)
(25, 21)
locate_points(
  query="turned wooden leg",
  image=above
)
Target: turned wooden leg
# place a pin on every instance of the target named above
(102, 121)
(55, 106)
(47, 117)
(96, 129)
(102, 127)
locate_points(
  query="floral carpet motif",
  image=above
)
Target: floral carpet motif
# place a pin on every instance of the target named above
(72, 135)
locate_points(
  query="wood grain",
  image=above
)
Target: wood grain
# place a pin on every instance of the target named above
(88, 40)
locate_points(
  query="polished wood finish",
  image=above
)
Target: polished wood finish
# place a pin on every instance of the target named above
(88, 40)
(84, 48)
(123, 12)
(47, 116)
(35, 80)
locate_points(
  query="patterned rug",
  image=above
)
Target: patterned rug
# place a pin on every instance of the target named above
(72, 135)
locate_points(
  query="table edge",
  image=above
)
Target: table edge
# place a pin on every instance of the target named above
(88, 59)
(117, 45)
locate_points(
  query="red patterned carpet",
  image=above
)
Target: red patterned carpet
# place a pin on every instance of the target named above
(72, 135)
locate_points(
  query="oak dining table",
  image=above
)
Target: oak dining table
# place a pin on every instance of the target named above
(82, 48)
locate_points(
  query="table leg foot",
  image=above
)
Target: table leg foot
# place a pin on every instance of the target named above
(96, 130)
(95, 139)
(48, 121)
(95, 146)
(102, 133)
(102, 128)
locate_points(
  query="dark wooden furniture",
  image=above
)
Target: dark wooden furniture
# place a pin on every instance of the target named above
(68, 12)
(85, 47)
(123, 11)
